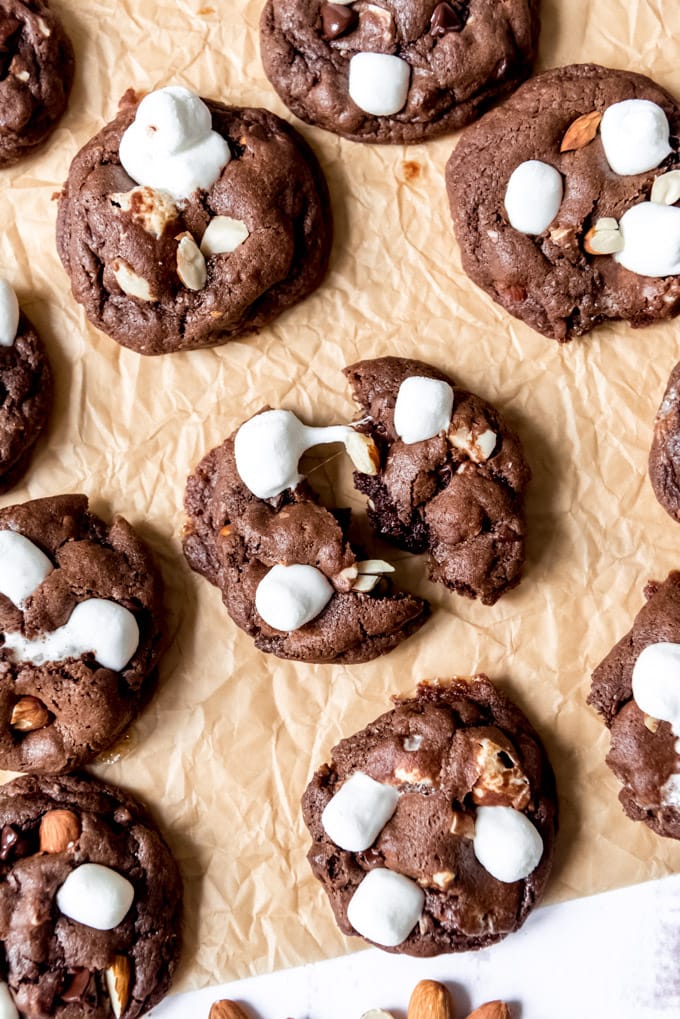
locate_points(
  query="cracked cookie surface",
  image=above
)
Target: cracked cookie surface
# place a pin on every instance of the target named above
(26, 391)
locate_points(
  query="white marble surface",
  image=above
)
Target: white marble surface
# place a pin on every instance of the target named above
(612, 956)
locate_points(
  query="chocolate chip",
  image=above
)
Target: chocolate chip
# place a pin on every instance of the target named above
(336, 20)
(77, 988)
(448, 17)
(8, 840)
(122, 816)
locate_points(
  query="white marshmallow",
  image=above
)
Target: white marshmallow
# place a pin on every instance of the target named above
(506, 843)
(96, 896)
(651, 240)
(170, 146)
(23, 567)
(635, 136)
(103, 627)
(269, 446)
(656, 682)
(8, 1009)
(290, 596)
(533, 196)
(378, 83)
(358, 812)
(386, 907)
(423, 408)
(9, 314)
(670, 791)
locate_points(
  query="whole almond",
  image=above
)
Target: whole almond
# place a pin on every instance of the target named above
(492, 1010)
(59, 830)
(29, 714)
(226, 1010)
(581, 132)
(430, 1000)
(118, 979)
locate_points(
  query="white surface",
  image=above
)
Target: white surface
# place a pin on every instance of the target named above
(612, 956)
(423, 408)
(634, 136)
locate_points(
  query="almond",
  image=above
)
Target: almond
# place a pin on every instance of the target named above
(130, 283)
(153, 210)
(581, 132)
(374, 566)
(191, 267)
(363, 453)
(29, 714)
(430, 1000)
(118, 980)
(365, 583)
(492, 1010)
(227, 1010)
(651, 723)
(666, 188)
(223, 235)
(604, 238)
(377, 1013)
(59, 830)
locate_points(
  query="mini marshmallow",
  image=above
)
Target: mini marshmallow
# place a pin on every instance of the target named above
(423, 408)
(170, 146)
(656, 682)
(99, 626)
(386, 907)
(269, 446)
(290, 596)
(23, 567)
(635, 136)
(358, 812)
(533, 196)
(670, 791)
(651, 240)
(378, 83)
(8, 1009)
(506, 843)
(9, 314)
(96, 896)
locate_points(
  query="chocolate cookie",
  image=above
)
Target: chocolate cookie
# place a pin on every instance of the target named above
(287, 572)
(400, 71)
(664, 456)
(433, 828)
(184, 224)
(90, 902)
(80, 616)
(564, 201)
(452, 479)
(36, 74)
(25, 388)
(635, 689)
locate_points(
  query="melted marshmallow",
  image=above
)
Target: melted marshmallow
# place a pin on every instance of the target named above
(635, 136)
(358, 812)
(289, 596)
(651, 240)
(96, 896)
(378, 83)
(269, 446)
(506, 843)
(23, 567)
(656, 682)
(102, 627)
(8, 1009)
(423, 408)
(170, 146)
(386, 907)
(9, 314)
(533, 196)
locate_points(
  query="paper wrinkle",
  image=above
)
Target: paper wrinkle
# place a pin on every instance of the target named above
(225, 749)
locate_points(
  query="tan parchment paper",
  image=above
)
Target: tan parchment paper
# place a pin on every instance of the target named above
(224, 751)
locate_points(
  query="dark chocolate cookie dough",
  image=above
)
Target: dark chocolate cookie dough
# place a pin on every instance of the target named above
(457, 58)
(459, 499)
(25, 400)
(664, 456)
(455, 748)
(644, 750)
(125, 263)
(36, 74)
(58, 710)
(551, 280)
(53, 963)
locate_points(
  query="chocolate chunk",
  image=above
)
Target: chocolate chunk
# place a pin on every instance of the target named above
(76, 988)
(448, 18)
(8, 841)
(337, 19)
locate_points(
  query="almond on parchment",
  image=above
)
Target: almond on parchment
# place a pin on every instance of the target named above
(581, 132)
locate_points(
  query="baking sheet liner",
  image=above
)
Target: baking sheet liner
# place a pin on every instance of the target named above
(225, 749)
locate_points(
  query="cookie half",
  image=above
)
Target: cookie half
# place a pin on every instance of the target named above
(564, 201)
(452, 476)
(90, 901)
(664, 455)
(36, 75)
(394, 72)
(635, 689)
(232, 226)
(433, 828)
(81, 623)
